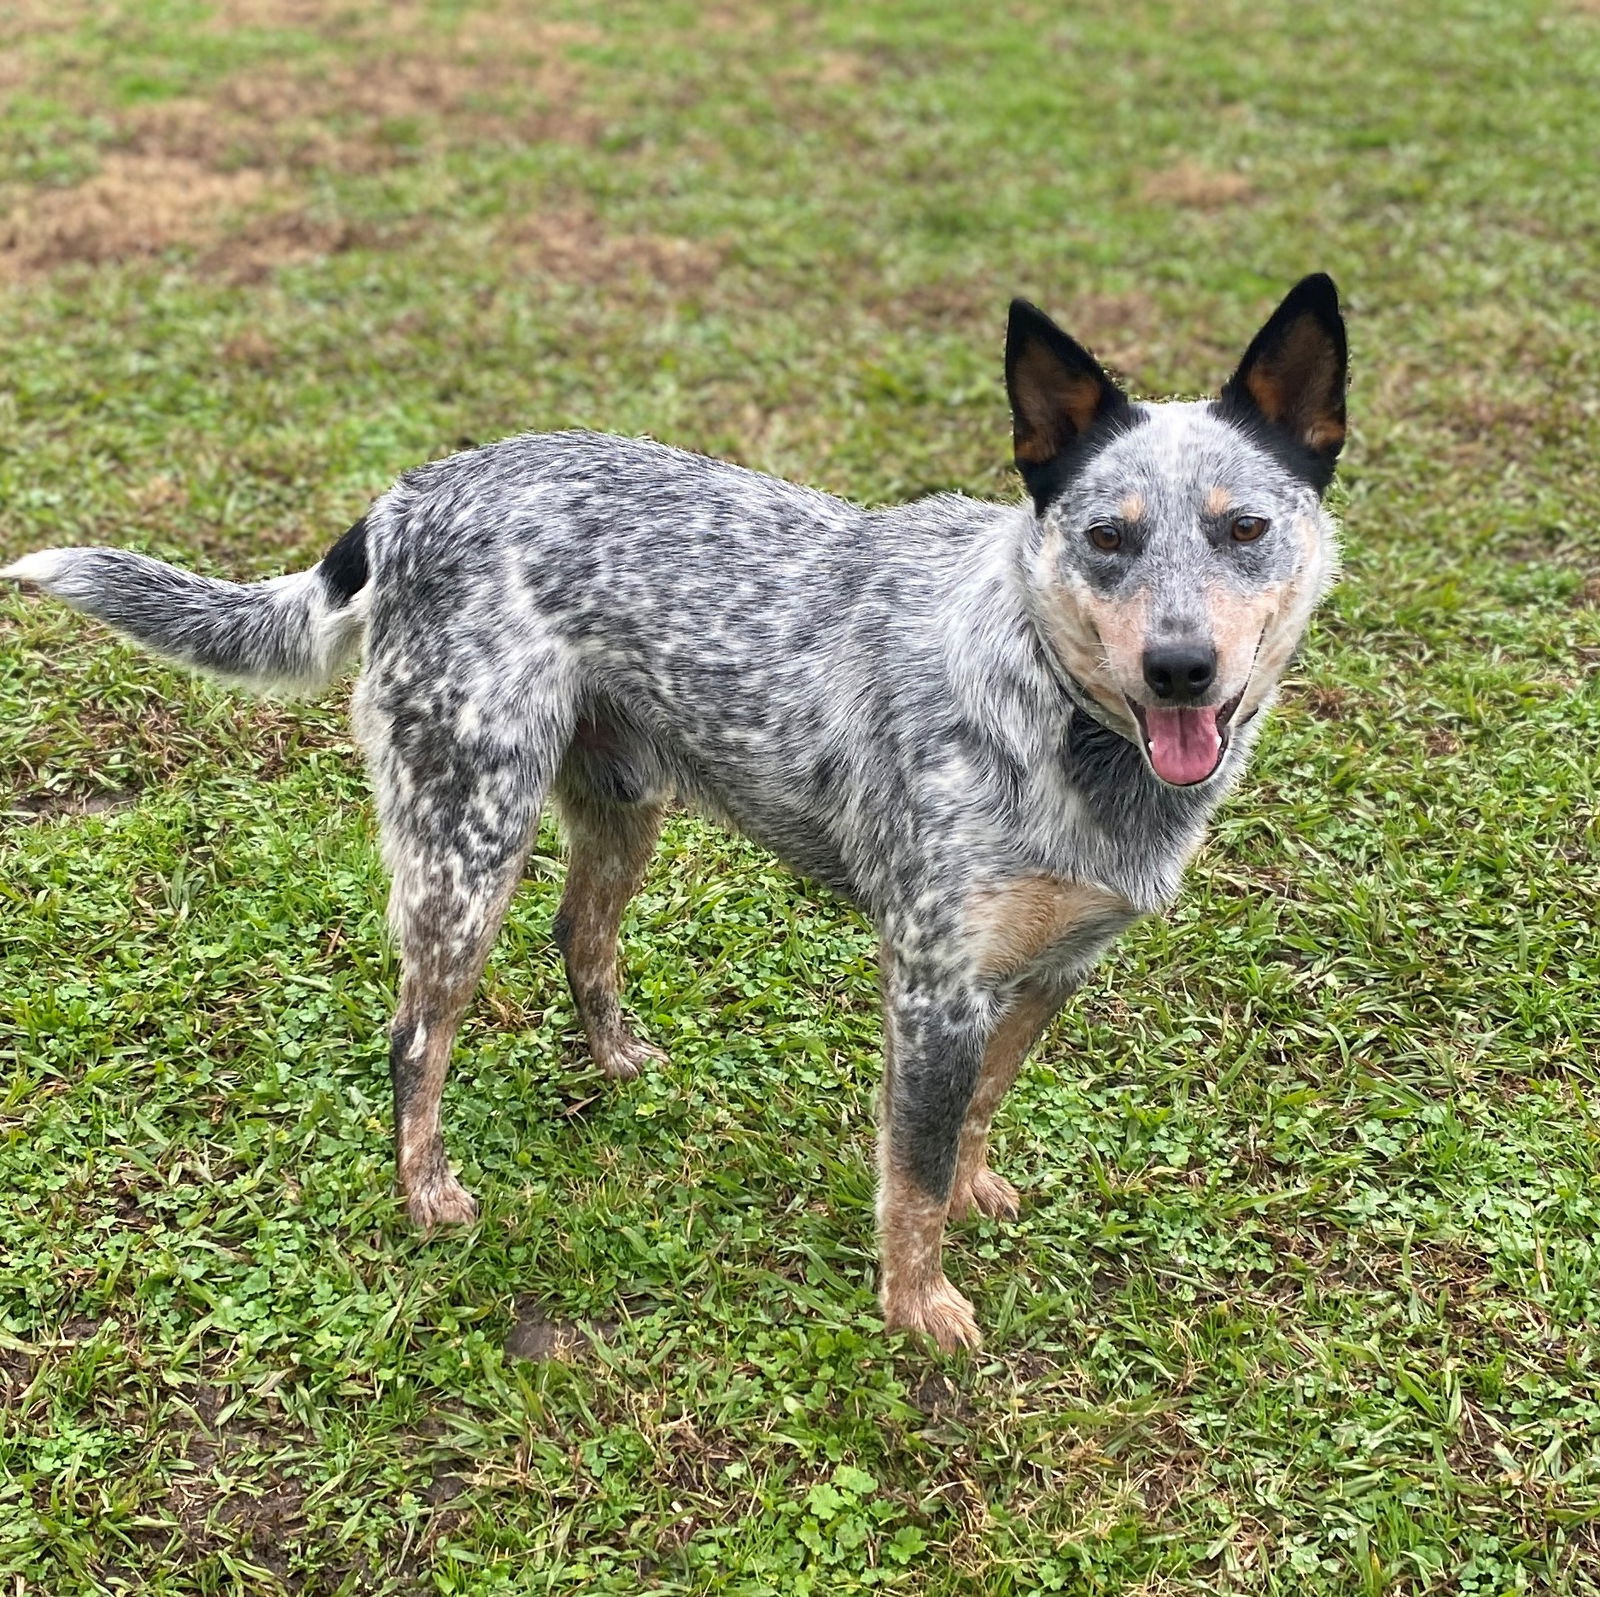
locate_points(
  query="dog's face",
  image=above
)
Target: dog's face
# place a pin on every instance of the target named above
(1181, 547)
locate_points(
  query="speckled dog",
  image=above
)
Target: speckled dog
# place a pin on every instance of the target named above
(999, 729)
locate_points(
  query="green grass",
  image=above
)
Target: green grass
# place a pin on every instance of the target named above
(1304, 1294)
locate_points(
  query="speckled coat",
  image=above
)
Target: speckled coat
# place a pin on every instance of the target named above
(956, 714)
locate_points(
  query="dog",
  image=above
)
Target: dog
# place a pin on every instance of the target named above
(998, 729)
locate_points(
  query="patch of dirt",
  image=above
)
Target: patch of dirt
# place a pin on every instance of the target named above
(740, 19)
(834, 69)
(263, 1523)
(543, 1340)
(135, 206)
(940, 1398)
(289, 237)
(1177, 1467)
(251, 348)
(513, 28)
(217, 176)
(27, 19)
(573, 244)
(1194, 187)
(16, 1373)
(365, 117)
(1322, 703)
(314, 15)
(1481, 416)
(1589, 593)
(236, 225)
(1112, 326)
(56, 806)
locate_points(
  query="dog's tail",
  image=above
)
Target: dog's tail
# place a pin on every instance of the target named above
(288, 635)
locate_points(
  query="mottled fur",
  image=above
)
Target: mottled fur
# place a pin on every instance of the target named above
(935, 710)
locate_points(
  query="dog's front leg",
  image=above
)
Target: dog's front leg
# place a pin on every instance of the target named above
(933, 1052)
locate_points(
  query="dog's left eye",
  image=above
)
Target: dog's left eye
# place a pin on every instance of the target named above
(1104, 536)
(1246, 529)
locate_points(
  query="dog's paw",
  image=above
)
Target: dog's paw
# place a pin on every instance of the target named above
(440, 1201)
(985, 1193)
(627, 1056)
(937, 1311)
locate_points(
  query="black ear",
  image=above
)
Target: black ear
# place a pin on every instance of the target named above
(1059, 392)
(1292, 378)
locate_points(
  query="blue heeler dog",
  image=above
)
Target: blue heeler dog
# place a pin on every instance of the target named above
(998, 729)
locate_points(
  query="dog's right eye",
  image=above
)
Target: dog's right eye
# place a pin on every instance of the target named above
(1104, 536)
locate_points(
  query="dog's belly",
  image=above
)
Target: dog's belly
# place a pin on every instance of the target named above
(801, 838)
(617, 757)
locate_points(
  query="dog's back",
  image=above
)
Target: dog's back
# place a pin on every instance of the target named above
(776, 655)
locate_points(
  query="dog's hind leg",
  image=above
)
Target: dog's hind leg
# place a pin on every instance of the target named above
(976, 1186)
(608, 848)
(457, 816)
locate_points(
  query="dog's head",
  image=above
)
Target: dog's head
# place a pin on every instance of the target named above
(1180, 547)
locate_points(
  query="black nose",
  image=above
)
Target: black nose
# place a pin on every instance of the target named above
(1180, 671)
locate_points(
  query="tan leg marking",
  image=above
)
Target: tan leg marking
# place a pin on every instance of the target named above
(912, 1287)
(433, 1195)
(437, 982)
(976, 1186)
(1011, 924)
(916, 1295)
(608, 852)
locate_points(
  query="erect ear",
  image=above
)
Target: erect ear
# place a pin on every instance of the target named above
(1058, 391)
(1292, 376)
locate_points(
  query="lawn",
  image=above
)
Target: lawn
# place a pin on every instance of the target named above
(1303, 1298)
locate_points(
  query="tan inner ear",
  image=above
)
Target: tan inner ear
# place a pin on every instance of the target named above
(1297, 387)
(1053, 404)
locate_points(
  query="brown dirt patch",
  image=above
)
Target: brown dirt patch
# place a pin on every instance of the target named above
(238, 225)
(1113, 326)
(136, 206)
(575, 245)
(541, 1339)
(1192, 186)
(251, 348)
(289, 237)
(27, 19)
(314, 15)
(45, 806)
(1322, 703)
(1480, 416)
(366, 117)
(215, 176)
(16, 1375)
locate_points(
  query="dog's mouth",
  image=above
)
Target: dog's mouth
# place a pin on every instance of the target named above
(1185, 744)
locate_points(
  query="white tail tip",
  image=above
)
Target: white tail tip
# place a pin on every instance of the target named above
(39, 567)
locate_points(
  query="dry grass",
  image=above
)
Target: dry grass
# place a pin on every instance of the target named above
(1191, 186)
(222, 176)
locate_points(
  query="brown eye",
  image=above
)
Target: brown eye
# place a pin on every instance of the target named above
(1104, 536)
(1246, 529)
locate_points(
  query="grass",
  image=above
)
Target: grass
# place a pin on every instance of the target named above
(1303, 1298)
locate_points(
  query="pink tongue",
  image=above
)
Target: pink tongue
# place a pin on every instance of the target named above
(1184, 744)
